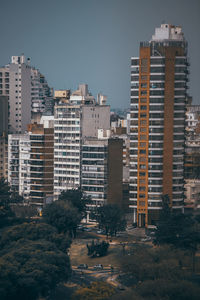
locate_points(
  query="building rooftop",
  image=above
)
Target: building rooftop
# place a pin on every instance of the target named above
(168, 32)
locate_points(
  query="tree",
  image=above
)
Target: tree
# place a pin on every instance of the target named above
(97, 249)
(31, 269)
(33, 260)
(63, 216)
(4, 193)
(176, 229)
(167, 289)
(33, 231)
(7, 199)
(111, 218)
(76, 198)
(6, 214)
(96, 291)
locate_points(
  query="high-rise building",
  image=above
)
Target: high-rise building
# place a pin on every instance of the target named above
(158, 99)
(27, 92)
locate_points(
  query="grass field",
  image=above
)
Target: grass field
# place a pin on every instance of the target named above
(78, 250)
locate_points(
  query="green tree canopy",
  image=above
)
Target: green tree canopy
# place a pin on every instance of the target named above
(63, 216)
(76, 198)
(33, 232)
(111, 218)
(6, 214)
(177, 229)
(96, 291)
(31, 268)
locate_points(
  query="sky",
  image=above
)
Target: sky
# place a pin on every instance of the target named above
(92, 41)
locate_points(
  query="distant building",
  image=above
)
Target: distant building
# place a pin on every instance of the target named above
(27, 92)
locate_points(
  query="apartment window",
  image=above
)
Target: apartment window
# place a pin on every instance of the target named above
(143, 122)
(142, 144)
(142, 129)
(143, 93)
(141, 174)
(142, 195)
(142, 181)
(143, 167)
(142, 151)
(135, 62)
(144, 85)
(157, 69)
(142, 188)
(144, 65)
(142, 158)
(143, 137)
(144, 77)
(143, 115)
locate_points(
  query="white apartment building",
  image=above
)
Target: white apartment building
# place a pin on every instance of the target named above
(79, 117)
(94, 171)
(18, 163)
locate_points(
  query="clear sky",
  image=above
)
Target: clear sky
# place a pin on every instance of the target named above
(92, 41)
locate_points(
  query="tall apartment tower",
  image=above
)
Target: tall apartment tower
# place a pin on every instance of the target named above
(158, 100)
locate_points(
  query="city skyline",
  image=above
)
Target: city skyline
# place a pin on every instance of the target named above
(92, 41)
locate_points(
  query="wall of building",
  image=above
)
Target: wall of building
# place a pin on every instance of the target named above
(115, 171)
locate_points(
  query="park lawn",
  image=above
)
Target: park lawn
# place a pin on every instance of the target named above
(78, 250)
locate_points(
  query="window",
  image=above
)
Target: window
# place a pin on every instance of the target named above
(141, 174)
(143, 93)
(144, 65)
(143, 122)
(144, 85)
(142, 188)
(142, 144)
(142, 195)
(143, 115)
(142, 151)
(143, 137)
(144, 77)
